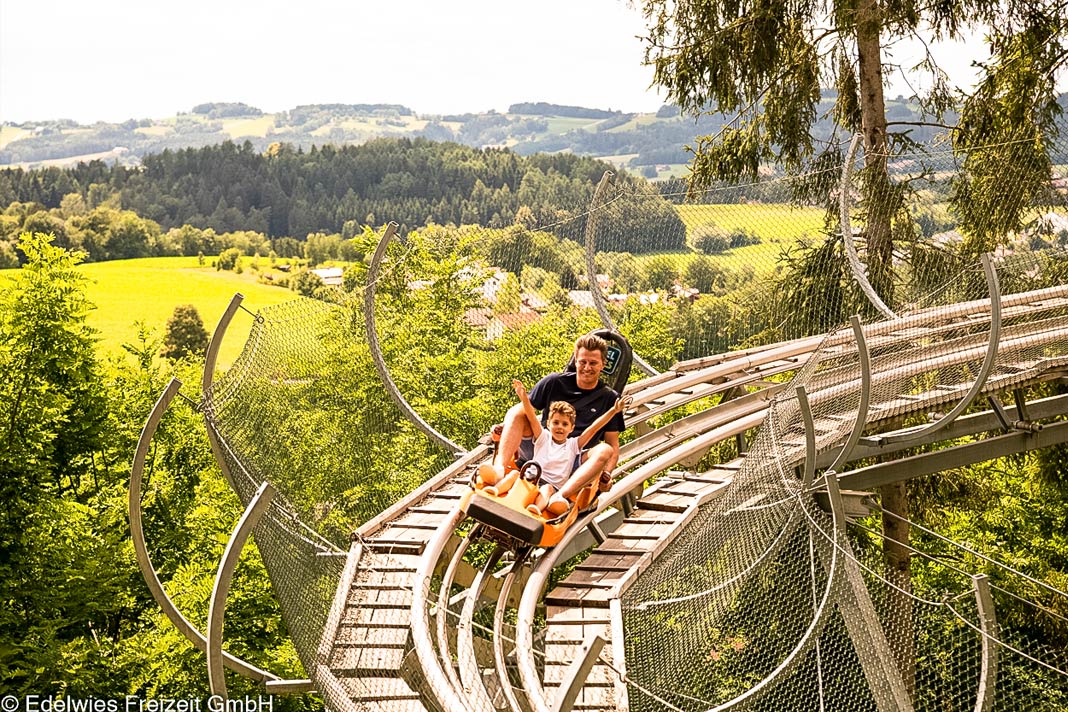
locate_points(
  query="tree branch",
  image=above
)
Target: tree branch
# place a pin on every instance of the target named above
(922, 123)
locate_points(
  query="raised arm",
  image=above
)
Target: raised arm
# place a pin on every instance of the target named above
(528, 409)
(592, 428)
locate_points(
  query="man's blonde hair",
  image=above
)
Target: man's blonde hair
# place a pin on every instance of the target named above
(592, 342)
(563, 408)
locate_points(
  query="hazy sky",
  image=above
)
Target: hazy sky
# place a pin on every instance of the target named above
(112, 60)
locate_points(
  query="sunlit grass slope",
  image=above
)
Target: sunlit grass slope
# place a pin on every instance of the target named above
(777, 225)
(126, 292)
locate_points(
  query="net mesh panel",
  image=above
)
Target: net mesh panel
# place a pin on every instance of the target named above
(742, 602)
(301, 409)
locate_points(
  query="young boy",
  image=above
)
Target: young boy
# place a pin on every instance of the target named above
(554, 451)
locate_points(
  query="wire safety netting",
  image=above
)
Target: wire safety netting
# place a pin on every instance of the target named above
(303, 410)
(761, 595)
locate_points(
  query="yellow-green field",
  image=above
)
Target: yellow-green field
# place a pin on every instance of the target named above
(126, 292)
(777, 225)
(11, 133)
(258, 126)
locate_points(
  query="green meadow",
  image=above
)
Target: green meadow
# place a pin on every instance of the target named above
(777, 225)
(146, 291)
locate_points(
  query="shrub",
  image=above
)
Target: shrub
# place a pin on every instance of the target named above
(710, 239)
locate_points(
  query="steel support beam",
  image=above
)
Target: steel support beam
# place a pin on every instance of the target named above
(958, 456)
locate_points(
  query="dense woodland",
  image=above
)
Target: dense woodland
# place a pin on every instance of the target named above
(289, 192)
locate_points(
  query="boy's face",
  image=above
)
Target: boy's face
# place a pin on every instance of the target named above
(560, 426)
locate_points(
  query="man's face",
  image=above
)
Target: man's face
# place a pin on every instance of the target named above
(560, 426)
(588, 366)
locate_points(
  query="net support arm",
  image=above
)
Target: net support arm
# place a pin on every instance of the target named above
(210, 357)
(376, 347)
(591, 267)
(984, 699)
(859, 272)
(994, 288)
(144, 561)
(217, 607)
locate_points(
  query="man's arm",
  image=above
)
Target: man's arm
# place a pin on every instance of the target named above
(602, 421)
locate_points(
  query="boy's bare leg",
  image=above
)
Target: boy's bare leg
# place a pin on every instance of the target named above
(545, 493)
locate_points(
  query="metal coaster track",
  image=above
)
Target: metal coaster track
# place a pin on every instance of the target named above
(403, 633)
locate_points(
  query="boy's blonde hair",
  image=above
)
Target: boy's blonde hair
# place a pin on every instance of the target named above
(563, 408)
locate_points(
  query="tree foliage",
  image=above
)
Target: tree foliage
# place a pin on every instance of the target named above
(185, 335)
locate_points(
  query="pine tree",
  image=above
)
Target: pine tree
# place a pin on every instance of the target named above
(186, 335)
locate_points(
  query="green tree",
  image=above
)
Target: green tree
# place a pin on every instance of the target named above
(307, 283)
(509, 297)
(661, 272)
(53, 416)
(767, 62)
(186, 335)
(703, 274)
(710, 239)
(229, 259)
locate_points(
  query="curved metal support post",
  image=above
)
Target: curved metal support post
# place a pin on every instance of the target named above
(217, 608)
(144, 561)
(524, 639)
(498, 632)
(984, 699)
(426, 655)
(376, 347)
(591, 268)
(443, 608)
(210, 357)
(865, 396)
(212, 352)
(993, 286)
(859, 272)
(810, 437)
(473, 688)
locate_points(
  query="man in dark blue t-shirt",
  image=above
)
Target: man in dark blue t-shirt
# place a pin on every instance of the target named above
(582, 389)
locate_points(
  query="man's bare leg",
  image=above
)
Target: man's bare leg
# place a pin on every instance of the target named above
(515, 429)
(592, 466)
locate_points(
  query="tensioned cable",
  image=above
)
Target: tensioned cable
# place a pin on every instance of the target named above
(939, 604)
(951, 567)
(1003, 644)
(972, 551)
(753, 184)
